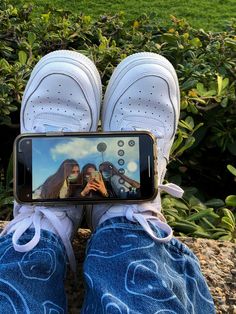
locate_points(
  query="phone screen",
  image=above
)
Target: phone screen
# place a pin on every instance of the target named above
(96, 167)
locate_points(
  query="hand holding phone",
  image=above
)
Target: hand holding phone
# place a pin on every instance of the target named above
(95, 183)
(100, 185)
(90, 186)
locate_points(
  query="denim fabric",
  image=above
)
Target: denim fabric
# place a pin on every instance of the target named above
(32, 282)
(127, 272)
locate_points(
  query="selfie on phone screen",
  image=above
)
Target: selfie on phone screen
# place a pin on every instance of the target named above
(85, 168)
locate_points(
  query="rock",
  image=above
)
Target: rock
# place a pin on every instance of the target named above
(232, 309)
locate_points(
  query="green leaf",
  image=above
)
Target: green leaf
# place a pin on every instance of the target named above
(232, 169)
(201, 214)
(227, 237)
(185, 125)
(172, 214)
(194, 201)
(198, 126)
(190, 83)
(177, 143)
(31, 38)
(45, 17)
(230, 42)
(218, 234)
(224, 102)
(189, 142)
(196, 42)
(225, 221)
(14, 11)
(225, 82)
(228, 213)
(215, 202)
(189, 120)
(22, 57)
(208, 223)
(183, 104)
(5, 111)
(201, 101)
(201, 89)
(202, 234)
(184, 227)
(169, 218)
(220, 84)
(12, 108)
(193, 108)
(180, 204)
(7, 201)
(209, 93)
(4, 64)
(87, 19)
(230, 200)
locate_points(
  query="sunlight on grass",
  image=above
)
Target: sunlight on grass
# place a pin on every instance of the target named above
(210, 15)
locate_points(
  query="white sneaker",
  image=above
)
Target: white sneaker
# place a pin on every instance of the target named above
(62, 94)
(143, 94)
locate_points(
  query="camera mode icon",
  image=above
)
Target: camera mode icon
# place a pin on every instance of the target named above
(131, 143)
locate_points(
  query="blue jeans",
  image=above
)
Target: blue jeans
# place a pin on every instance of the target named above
(33, 282)
(125, 272)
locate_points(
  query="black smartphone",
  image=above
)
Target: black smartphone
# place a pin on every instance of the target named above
(54, 168)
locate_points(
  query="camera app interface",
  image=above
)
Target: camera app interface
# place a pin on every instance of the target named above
(74, 168)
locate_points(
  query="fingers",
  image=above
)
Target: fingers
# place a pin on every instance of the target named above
(94, 185)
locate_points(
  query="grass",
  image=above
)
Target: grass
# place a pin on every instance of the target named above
(212, 15)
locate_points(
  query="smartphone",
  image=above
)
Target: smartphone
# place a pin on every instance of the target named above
(53, 168)
(95, 175)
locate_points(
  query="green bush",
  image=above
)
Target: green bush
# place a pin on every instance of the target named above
(204, 61)
(190, 216)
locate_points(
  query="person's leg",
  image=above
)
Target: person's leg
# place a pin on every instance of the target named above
(63, 94)
(128, 268)
(32, 282)
(125, 271)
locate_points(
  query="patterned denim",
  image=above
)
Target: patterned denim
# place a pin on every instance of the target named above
(127, 272)
(32, 282)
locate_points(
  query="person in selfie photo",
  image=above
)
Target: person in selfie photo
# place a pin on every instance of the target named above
(121, 185)
(133, 263)
(93, 184)
(59, 185)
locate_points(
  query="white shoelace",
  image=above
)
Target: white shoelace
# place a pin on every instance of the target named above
(171, 189)
(31, 217)
(146, 214)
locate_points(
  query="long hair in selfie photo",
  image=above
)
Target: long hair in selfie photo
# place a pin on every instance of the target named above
(52, 186)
